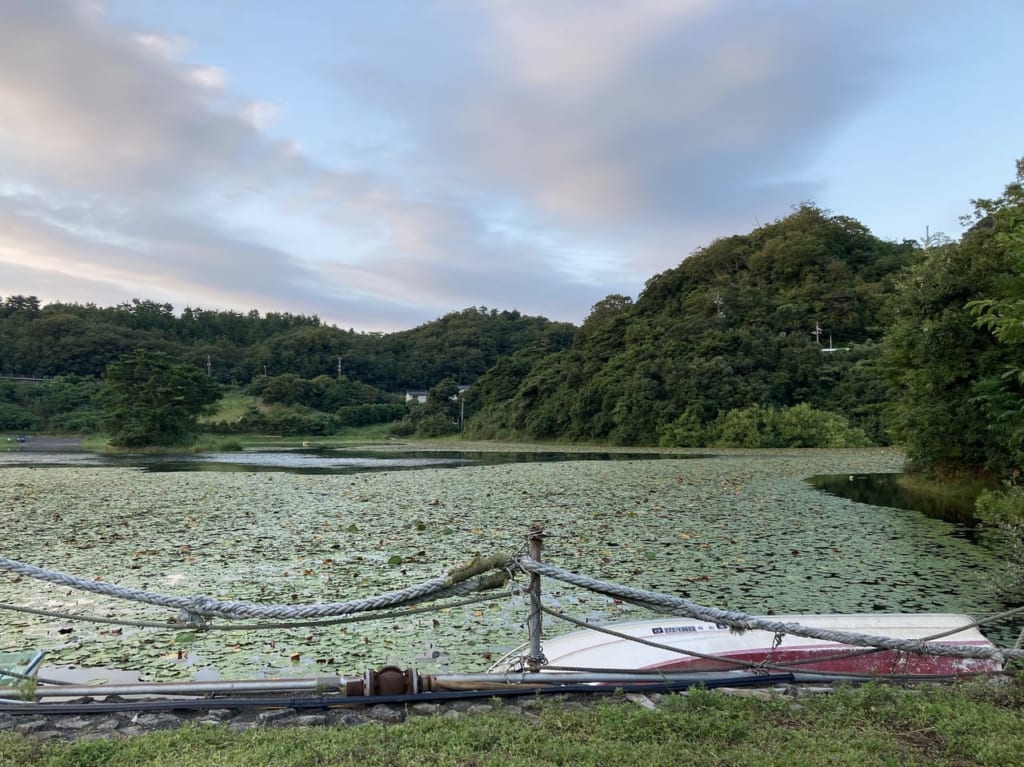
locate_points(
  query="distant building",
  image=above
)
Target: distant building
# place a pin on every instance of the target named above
(420, 395)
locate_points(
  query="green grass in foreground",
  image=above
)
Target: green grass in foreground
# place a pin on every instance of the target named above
(873, 725)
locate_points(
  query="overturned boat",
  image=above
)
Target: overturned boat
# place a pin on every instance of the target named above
(671, 644)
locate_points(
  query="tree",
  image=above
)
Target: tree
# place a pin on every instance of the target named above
(150, 399)
(958, 403)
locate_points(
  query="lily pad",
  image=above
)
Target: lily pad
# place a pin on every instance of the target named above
(757, 538)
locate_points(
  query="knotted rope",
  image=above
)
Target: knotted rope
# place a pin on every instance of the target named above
(197, 609)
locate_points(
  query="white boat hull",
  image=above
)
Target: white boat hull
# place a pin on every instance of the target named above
(692, 645)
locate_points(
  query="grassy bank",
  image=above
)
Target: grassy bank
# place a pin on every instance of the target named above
(873, 725)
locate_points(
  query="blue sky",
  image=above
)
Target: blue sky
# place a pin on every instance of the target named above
(382, 164)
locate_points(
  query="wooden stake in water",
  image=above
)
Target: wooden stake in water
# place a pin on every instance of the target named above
(534, 622)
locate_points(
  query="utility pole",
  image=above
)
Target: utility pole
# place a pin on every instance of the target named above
(339, 368)
(817, 332)
(209, 366)
(719, 302)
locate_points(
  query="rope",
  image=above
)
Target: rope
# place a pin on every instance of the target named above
(197, 609)
(978, 623)
(679, 606)
(173, 624)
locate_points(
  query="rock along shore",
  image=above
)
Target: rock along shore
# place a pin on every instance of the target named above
(83, 726)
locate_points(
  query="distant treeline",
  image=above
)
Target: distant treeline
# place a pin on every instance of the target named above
(81, 340)
(806, 331)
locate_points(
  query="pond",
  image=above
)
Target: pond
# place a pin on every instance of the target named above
(738, 530)
(887, 490)
(311, 460)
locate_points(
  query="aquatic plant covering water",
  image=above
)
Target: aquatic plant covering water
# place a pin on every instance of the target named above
(742, 530)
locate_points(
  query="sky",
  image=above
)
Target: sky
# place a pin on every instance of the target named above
(381, 164)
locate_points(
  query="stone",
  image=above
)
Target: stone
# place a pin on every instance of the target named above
(32, 726)
(424, 709)
(274, 716)
(352, 720)
(385, 713)
(156, 721)
(310, 720)
(640, 700)
(74, 722)
(219, 713)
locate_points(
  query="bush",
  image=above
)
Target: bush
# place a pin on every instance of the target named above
(803, 426)
(748, 427)
(435, 425)
(798, 426)
(365, 415)
(686, 431)
(404, 428)
(1005, 510)
(15, 418)
(81, 421)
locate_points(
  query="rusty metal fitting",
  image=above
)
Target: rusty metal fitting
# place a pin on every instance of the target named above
(391, 680)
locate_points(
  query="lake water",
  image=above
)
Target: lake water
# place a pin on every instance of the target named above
(307, 460)
(886, 490)
(737, 530)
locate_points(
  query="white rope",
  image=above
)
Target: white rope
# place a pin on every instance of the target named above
(679, 606)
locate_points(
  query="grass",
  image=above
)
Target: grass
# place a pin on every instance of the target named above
(375, 433)
(975, 724)
(232, 406)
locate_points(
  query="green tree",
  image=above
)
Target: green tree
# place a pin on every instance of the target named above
(1003, 315)
(148, 398)
(956, 376)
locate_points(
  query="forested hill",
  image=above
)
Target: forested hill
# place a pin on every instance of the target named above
(82, 340)
(729, 330)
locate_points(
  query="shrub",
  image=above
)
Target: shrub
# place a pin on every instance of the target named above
(686, 431)
(15, 418)
(1005, 510)
(798, 426)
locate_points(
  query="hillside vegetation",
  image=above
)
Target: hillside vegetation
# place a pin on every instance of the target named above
(712, 348)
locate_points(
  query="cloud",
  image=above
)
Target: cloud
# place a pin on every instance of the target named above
(161, 46)
(213, 78)
(607, 120)
(260, 114)
(689, 110)
(87, 106)
(535, 156)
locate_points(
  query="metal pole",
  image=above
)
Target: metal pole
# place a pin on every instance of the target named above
(286, 685)
(534, 622)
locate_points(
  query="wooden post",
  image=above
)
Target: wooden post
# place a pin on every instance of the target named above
(535, 621)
